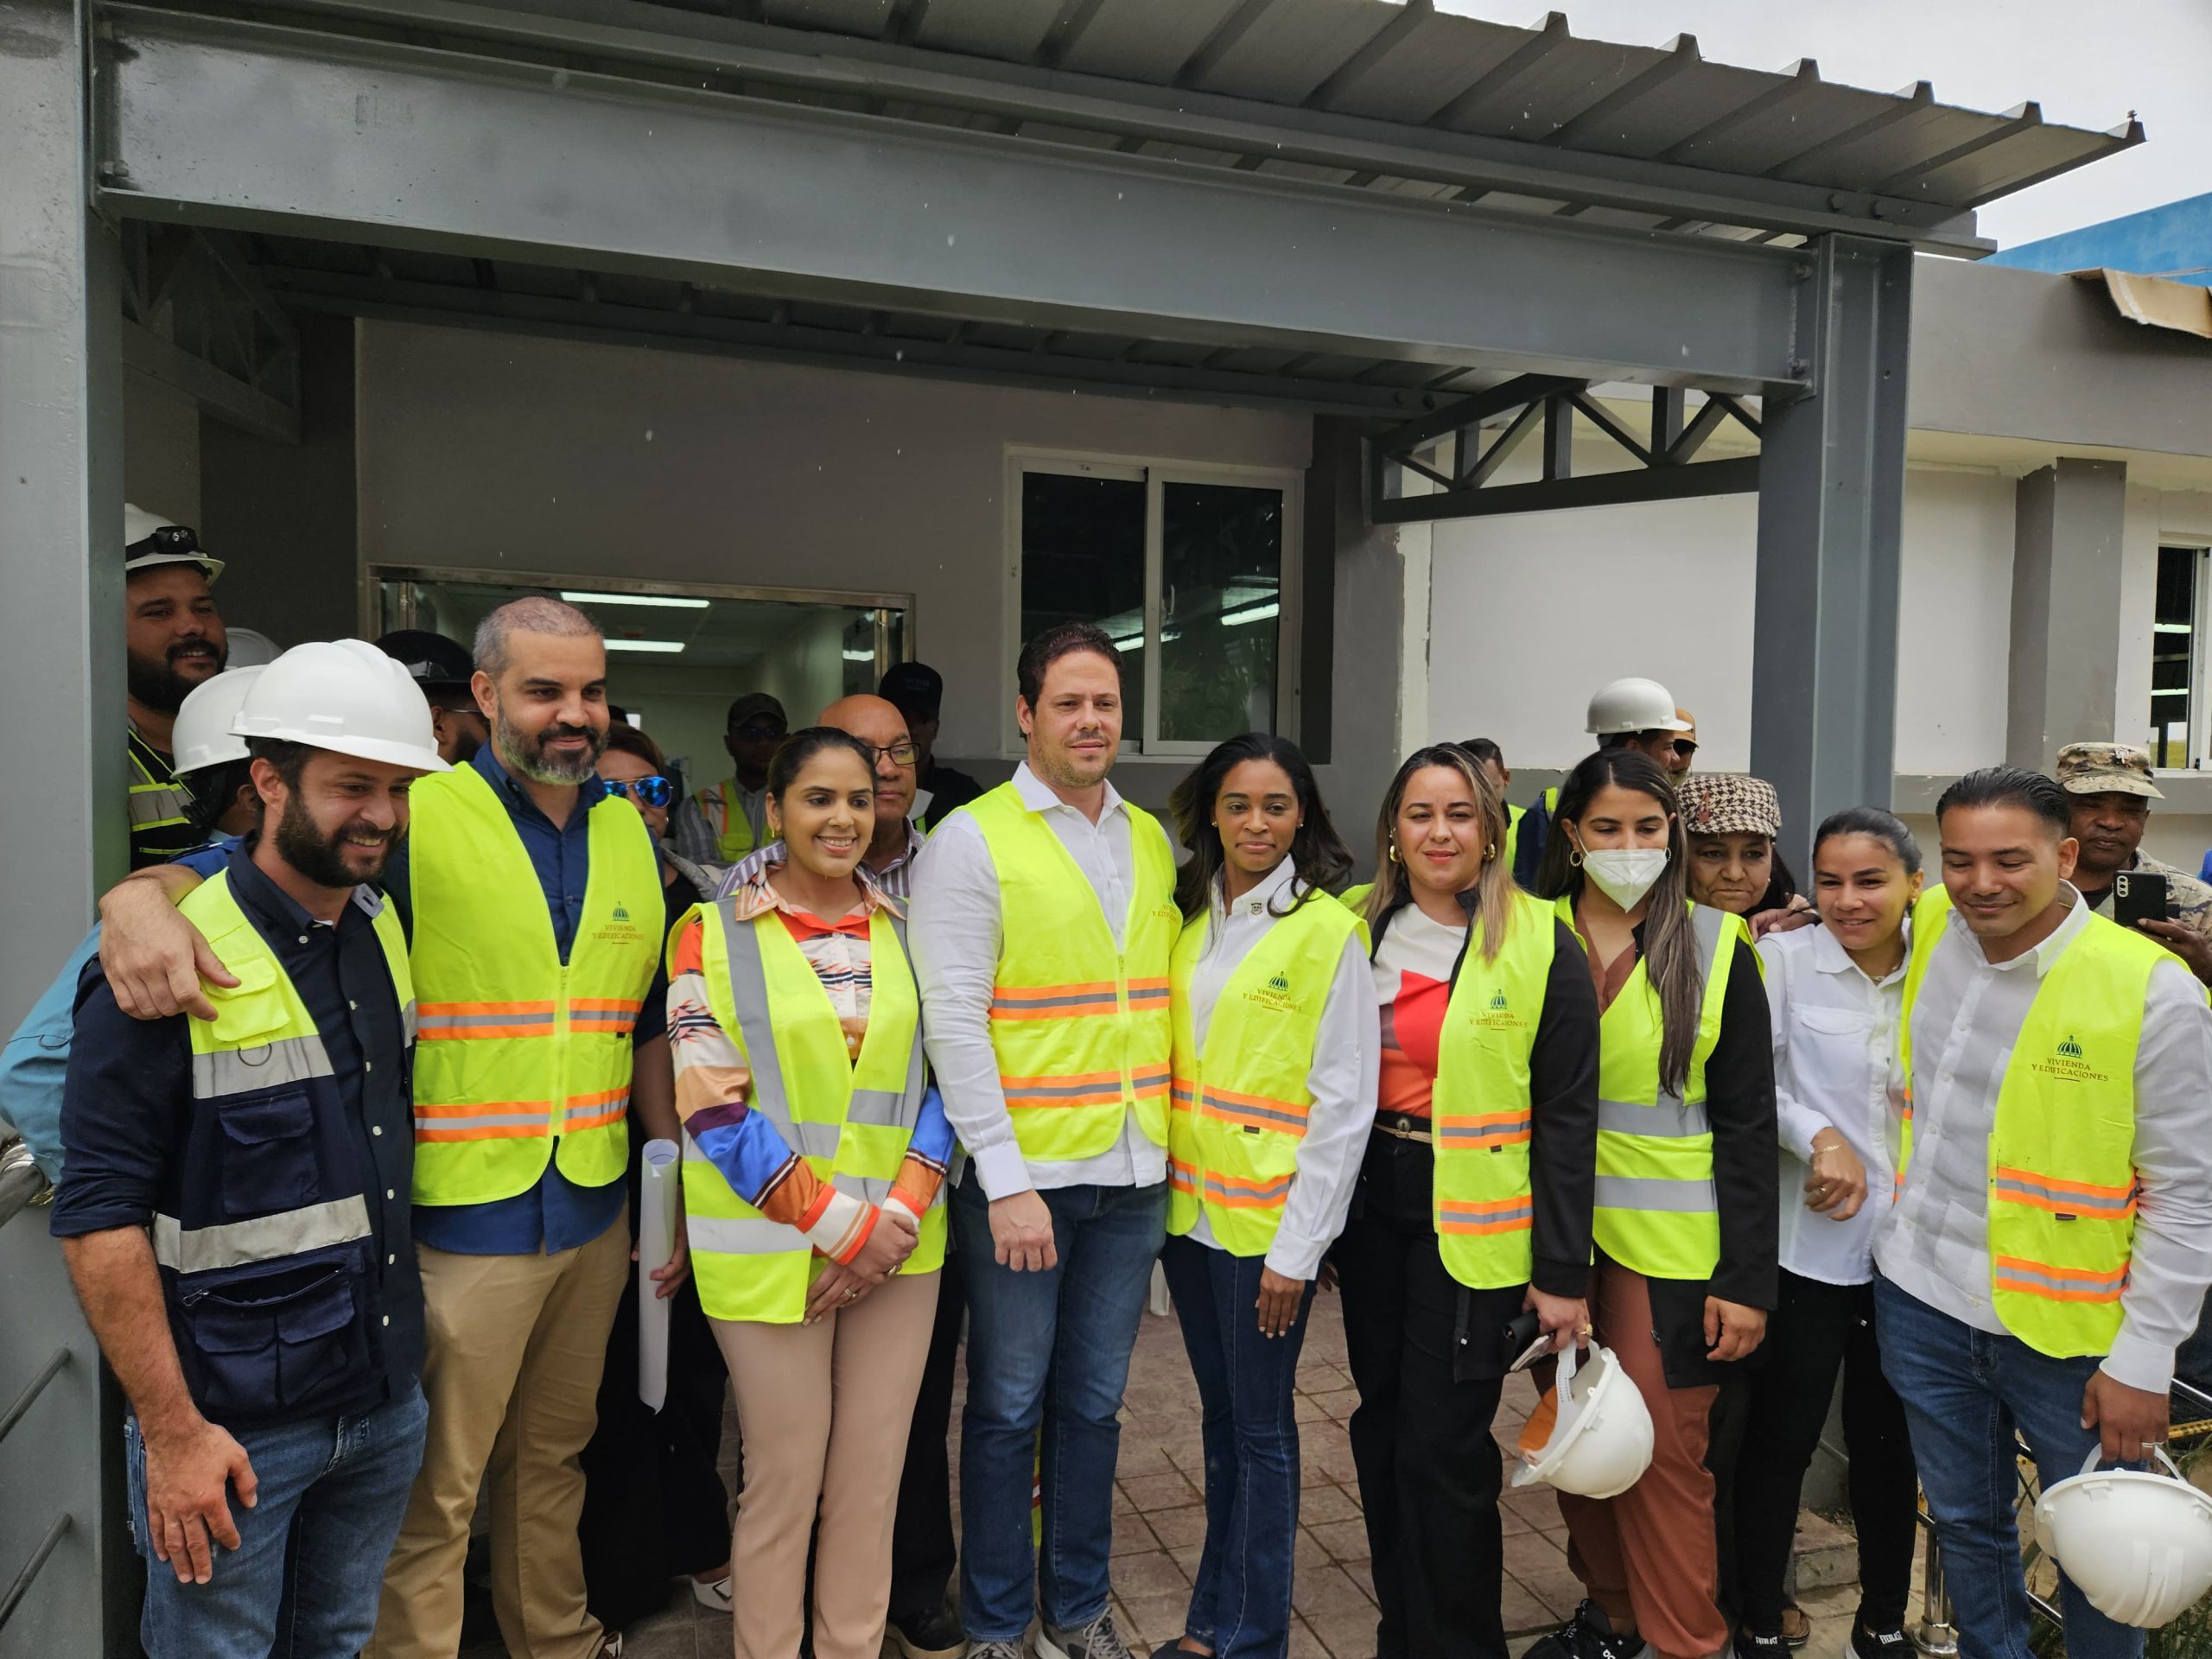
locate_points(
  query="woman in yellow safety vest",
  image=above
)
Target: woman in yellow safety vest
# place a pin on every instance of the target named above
(1685, 1216)
(1473, 1198)
(1273, 1090)
(812, 1161)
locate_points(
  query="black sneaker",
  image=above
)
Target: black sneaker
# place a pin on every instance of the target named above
(934, 1634)
(1880, 1644)
(1588, 1635)
(1748, 1646)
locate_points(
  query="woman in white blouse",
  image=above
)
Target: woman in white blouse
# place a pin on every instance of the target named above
(1276, 1040)
(1835, 991)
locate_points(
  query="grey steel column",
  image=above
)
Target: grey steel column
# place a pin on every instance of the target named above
(2066, 522)
(63, 819)
(1824, 660)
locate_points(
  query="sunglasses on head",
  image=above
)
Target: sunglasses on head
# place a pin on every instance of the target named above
(655, 790)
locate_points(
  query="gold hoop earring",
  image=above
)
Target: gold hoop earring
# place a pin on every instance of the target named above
(1490, 852)
(1394, 859)
(1574, 859)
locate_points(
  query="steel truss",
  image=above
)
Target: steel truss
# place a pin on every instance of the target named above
(197, 319)
(1666, 465)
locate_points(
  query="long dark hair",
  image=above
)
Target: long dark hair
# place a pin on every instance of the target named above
(1669, 942)
(1489, 901)
(1318, 853)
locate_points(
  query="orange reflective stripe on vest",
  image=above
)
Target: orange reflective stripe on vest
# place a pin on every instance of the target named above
(1508, 1215)
(481, 1022)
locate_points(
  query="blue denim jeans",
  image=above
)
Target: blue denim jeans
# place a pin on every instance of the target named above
(1240, 1604)
(1049, 1349)
(1964, 1392)
(302, 1583)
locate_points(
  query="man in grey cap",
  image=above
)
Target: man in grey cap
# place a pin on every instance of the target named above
(726, 821)
(2112, 790)
(173, 641)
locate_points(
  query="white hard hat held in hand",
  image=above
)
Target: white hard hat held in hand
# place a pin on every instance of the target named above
(345, 695)
(1592, 1434)
(202, 736)
(1633, 705)
(2137, 1542)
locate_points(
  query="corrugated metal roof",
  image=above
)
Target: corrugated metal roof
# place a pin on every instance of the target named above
(1413, 67)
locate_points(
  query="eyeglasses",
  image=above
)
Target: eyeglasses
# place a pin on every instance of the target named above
(759, 734)
(1685, 748)
(902, 754)
(655, 790)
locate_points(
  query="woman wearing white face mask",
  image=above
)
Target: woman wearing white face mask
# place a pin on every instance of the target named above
(1685, 1216)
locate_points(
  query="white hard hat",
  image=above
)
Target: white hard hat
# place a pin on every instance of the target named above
(345, 695)
(1633, 705)
(162, 541)
(252, 648)
(1592, 1435)
(202, 736)
(2136, 1543)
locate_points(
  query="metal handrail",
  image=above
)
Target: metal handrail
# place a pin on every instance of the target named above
(45, 1546)
(48, 1372)
(23, 1183)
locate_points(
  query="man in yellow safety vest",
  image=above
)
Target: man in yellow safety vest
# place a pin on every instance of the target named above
(2045, 1253)
(532, 902)
(1043, 929)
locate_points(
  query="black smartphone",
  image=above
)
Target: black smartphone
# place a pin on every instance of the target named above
(2137, 897)
(1525, 1342)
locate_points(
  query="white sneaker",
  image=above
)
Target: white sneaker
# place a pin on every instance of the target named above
(712, 1594)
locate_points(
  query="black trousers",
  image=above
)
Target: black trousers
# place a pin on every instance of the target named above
(923, 1551)
(1817, 1329)
(1425, 1356)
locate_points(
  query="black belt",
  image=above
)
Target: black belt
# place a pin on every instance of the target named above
(1403, 1126)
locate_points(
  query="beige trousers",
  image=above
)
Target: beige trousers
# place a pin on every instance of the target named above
(514, 1348)
(823, 1409)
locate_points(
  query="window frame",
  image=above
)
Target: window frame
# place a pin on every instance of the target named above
(1156, 473)
(2197, 738)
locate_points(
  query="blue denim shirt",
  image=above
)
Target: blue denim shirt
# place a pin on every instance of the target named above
(557, 1214)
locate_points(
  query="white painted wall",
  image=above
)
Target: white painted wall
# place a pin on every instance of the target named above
(485, 451)
(1666, 590)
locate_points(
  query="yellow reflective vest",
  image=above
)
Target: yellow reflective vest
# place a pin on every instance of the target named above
(734, 837)
(2060, 1160)
(1657, 1212)
(850, 1119)
(1080, 1026)
(521, 1058)
(1240, 1100)
(1480, 1112)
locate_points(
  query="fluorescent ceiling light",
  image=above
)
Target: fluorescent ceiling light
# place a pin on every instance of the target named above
(644, 645)
(860, 656)
(2171, 627)
(1250, 613)
(666, 602)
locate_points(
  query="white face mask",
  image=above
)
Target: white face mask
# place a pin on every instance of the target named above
(1625, 874)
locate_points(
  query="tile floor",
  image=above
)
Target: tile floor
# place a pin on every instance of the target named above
(1158, 1524)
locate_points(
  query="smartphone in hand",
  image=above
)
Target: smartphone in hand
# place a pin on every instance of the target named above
(2139, 897)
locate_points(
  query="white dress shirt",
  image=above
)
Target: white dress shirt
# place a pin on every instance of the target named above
(954, 931)
(1834, 1034)
(1347, 1051)
(1934, 1244)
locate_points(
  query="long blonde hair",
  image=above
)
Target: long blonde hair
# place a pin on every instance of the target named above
(1489, 903)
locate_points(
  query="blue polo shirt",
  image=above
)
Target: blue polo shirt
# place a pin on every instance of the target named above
(557, 1214)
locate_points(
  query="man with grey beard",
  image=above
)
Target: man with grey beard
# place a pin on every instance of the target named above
(536, 1044)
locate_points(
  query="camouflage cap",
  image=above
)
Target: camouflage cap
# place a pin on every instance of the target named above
(2106, 769)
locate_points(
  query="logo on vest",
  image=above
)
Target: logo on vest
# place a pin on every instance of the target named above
(1498, 1015)
(620, 929)
(1275, 995)
(621, 912)
(2069, 1062)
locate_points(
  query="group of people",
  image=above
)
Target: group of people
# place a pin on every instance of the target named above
(1588, 1072)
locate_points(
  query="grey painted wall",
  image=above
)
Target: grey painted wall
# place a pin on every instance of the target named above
(2068, 524)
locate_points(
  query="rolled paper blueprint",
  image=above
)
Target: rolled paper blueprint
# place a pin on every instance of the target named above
(656, 1243)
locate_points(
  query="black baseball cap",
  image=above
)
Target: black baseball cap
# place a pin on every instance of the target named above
(912, 688)
(430, 659)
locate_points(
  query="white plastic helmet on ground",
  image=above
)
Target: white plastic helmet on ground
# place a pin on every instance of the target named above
(2136, 1543)
(252, 648)
(202, 736)
(1592, 1435)
(345, 695)
(162, 541)
(1633, 705)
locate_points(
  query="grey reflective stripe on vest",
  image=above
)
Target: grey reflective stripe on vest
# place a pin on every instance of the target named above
(153, 803)
(1649, 1192)
(2066, 1199)
(743, 1235)
(265, 1065)
(1667, 1121)
(265, 1238)
(1707, 922)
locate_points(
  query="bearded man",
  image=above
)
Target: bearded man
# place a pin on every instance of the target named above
(173, 640)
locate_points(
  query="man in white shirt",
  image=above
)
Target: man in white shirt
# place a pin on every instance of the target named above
(1063, 1208)
(2046, 1252)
